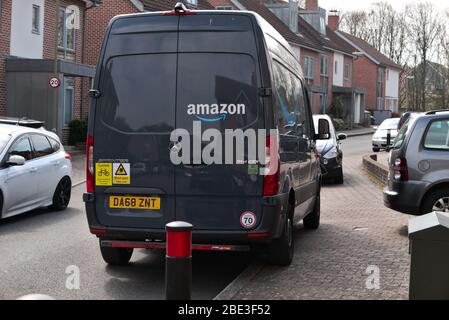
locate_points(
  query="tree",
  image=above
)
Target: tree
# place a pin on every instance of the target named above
(424, 27)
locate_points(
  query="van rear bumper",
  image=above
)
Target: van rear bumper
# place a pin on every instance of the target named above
(269, 228)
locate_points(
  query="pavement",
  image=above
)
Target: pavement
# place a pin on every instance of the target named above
(358, 242)
(357, 132)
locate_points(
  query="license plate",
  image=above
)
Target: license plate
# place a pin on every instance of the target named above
(134, 202)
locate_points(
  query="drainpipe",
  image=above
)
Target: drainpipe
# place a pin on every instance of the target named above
(55, 66)
(94, 4)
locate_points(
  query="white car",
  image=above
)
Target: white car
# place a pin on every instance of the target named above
(380, 136)
(35, 171)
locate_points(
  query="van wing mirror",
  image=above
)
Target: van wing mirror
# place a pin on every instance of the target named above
(323, 130)
(342, 136)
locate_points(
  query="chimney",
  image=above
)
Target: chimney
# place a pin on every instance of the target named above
(333, 20)
(312, 5)
(293, 15)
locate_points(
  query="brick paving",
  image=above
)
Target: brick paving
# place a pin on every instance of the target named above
(356, 231)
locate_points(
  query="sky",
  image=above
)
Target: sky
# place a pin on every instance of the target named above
(346, 5)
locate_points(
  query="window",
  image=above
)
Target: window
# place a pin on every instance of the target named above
(192, 2)
(224, 8)
(36, 19)
(437, 136)
(68, 103)
(336, 67)
(324, 65)
(55, 146)
(322, 25)
(290, 109)
(41, 146)
(21, 148)
(66, 36)
(308, 62)
(347, 71)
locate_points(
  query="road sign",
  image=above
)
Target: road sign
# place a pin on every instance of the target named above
(54, 82)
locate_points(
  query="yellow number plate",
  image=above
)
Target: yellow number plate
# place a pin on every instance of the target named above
(133, 202)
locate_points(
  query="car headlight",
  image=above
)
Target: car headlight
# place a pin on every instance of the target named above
(332, 153)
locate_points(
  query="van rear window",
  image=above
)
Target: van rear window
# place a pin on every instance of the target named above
(218, 89)
(138, 93)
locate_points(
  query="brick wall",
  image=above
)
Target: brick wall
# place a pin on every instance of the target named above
(347, 83)
(217, 3)
(366, 77)
(97, 20)
(5, 32)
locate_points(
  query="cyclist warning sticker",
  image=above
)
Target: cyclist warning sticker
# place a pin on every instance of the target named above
(103, 174)
(121, 173)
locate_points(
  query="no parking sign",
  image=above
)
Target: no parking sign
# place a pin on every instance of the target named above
(54, 82)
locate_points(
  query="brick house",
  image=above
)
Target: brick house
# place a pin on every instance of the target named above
(326, 59)
(32, 34)
(377, 73)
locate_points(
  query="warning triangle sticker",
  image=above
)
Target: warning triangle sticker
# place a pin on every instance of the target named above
(120, 171)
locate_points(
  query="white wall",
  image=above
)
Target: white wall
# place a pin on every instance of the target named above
(392, 84)
(338, 73)
(25, 43)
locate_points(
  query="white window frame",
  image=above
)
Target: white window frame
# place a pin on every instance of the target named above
(309, 64)
(64, 47)
(348, 70)
(68, 86)
(324, 58)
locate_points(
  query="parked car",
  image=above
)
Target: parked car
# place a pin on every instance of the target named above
(418, 181)
(406, 116)
(331, 154)
(35, 171)
(380, 137)
(172, 61)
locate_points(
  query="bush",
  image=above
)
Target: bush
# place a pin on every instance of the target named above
(78, 131)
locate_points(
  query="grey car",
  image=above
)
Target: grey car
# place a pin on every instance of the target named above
(418, 180)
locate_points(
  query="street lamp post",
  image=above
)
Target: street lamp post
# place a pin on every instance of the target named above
(355, 56)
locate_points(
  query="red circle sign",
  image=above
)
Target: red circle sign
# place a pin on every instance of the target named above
(248, 220)
(54, 82)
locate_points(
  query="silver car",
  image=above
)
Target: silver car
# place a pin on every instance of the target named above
(35, 171)
(380, 137)
(419, 166)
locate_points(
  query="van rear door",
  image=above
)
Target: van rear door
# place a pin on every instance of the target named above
(133, 120)
(218, 65)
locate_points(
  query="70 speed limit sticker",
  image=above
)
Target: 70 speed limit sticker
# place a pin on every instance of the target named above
(248, 220)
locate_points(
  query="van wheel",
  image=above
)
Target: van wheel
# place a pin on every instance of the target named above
(116, 256)
(438, 200)
(340, 179)
(312, 220)
(280, 251)
(61, 197)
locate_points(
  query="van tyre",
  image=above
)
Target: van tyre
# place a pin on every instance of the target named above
(312, 220)
(280, 251)
(340, 179)
(61, 197)
(116, 256)
(438, 200)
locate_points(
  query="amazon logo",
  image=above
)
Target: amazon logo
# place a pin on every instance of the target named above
(215, 112)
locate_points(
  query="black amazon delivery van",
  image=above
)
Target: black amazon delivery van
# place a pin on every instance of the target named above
(163, 71)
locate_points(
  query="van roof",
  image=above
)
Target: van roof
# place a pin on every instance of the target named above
(266, 27)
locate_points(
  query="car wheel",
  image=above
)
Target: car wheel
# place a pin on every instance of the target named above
(280, 251)
(376, 149)
(312, 220)
(438, 200)
(61, 197)
(340, 178)
(116, 256)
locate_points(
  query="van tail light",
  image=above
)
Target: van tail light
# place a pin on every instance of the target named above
(271, 170)
(68, 156)
(90, 164)
(400, 169)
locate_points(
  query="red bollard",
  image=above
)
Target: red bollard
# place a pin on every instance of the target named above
(178, 261)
